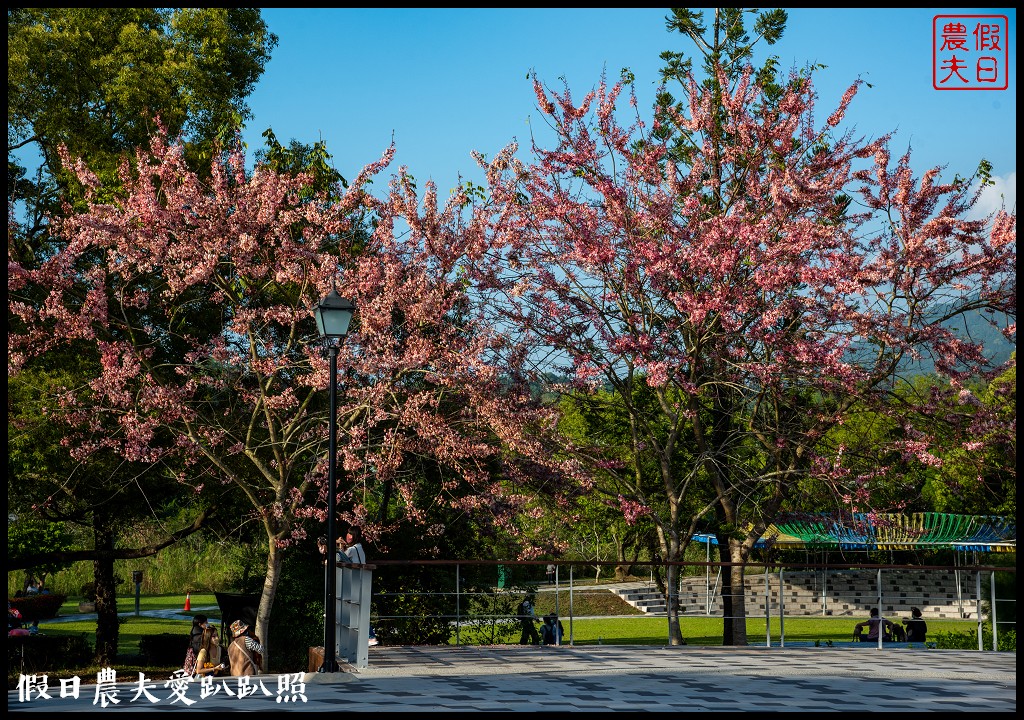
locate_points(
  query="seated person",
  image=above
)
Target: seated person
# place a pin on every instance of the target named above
(208, 662)
(872, 624)
(916, 626)
(551, 631)
(14, 622)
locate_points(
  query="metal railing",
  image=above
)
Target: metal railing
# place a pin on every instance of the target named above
(475, 602)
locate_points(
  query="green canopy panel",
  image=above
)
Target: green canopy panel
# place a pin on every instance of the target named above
(888, 531)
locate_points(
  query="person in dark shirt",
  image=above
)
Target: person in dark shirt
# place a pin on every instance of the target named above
(527, 618)
(916, 627)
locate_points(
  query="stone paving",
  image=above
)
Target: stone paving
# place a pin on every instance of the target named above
(586, 678)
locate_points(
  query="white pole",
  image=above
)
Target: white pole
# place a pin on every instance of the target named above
(977, 582)
(782, 611)
(824, 585)
(570, 605)
(956, 575)
(707, 575)
(558, 615)
(881, 615)
(995, 633)
(767, 610)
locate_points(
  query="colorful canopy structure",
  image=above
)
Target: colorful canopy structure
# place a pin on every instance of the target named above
(889, 531)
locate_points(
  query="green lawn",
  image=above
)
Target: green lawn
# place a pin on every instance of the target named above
(126, 603)
(708, 630)
(131, 631)
(638, 630)
(634, 630)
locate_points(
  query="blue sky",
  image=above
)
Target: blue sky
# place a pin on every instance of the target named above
(445, 82)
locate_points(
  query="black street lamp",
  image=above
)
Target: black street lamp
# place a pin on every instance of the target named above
(333, 315)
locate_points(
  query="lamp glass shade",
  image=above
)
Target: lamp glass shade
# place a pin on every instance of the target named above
(333, 315)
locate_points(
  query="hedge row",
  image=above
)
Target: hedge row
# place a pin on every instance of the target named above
(48, 652)
(38, 607)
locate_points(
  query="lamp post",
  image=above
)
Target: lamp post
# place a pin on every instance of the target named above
(333, 315)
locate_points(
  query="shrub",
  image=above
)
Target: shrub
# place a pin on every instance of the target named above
(969, 640)
(38, 607)
(49, 652)
(163, 650)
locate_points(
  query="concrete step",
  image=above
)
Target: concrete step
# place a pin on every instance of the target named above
(846, 593)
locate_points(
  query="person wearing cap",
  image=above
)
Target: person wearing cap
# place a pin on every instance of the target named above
(245, 653)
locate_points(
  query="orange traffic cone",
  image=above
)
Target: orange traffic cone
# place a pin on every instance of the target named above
(188, 601)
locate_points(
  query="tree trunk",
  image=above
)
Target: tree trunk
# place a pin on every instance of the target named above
(672, 552)
(739, 606)
(106, 594)
(274, 558)
(659, 580)
(675, 633)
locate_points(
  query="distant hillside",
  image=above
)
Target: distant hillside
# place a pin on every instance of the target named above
(975, 327)
(972, 325)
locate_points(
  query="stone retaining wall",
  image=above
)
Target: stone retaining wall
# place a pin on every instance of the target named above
(835, 592)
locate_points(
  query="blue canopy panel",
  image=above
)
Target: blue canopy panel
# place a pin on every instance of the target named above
(861, 531)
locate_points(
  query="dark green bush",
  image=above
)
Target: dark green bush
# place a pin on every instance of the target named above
(969, 640)
(297, 617)
(163, 650)
(44, 653)
(38, 607)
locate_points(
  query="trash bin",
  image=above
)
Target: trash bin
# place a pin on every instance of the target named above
(316, 658)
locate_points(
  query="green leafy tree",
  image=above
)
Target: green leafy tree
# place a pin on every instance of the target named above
(51, 494)
(978, 473)
(95, 79)
(624, 439)
(24, 536)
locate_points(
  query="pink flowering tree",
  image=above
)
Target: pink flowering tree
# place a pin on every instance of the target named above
(759, 273)
(197, 297)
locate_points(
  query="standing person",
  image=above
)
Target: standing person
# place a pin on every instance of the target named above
(351, 546)
(245, 653)
(350, 549)
(195, 643)
(917, 628)
(527, 617)
(550, 573)
(872, 624)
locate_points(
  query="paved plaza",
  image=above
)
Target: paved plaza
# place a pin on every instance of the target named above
(604, 678)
